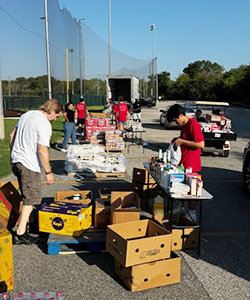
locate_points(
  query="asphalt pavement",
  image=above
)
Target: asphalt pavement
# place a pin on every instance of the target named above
(222, 272)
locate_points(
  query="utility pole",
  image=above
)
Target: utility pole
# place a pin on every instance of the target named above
(47, 48)
(67, 74)
(2, 134)
(80, 55)
(9, 90)
(152, 27)
(109, 37)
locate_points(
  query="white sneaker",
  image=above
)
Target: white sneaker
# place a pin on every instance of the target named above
(64, 150)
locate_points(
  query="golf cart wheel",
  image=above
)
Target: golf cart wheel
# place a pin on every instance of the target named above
(225, 153)
(246, 175)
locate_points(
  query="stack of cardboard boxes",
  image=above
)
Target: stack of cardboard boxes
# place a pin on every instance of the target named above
(143, 256)
(144, 184)
(114, 207)
(94, 126)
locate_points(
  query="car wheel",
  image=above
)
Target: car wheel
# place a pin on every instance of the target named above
(246, 175)
(149, 105)
(166, 126)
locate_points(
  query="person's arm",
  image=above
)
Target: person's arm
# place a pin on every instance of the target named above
(43, 152)
(12, 138)
(190, 144)
(86, 112)
(65, 117)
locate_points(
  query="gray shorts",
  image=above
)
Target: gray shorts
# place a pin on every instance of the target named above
(30, 184)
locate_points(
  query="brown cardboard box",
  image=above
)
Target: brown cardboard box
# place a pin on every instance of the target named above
(150, 275)
(141, 176)
(141, 189)
(102, 213)
(138, 242)
(185, 235)
(61, 196)
(15, 199)
(125, 207)
(105, 193)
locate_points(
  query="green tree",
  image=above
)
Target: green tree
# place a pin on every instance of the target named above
(165, 85)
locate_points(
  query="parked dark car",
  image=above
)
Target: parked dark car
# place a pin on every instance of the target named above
(246, 168)
(147, 102)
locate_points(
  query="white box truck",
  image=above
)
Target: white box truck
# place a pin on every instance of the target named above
(122, 85)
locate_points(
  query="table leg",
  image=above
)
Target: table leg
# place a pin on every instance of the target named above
(199, 236)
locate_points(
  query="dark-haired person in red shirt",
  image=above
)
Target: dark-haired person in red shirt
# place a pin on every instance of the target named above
(191, 142)
(122, 113)
(80, 114)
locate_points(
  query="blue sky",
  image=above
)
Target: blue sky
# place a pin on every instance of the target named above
(185, 31)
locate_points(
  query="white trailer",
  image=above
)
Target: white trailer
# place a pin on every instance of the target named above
(122, 85)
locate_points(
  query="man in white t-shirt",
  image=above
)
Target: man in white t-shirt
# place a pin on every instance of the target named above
(30, 141)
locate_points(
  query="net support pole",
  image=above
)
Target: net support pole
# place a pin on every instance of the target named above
(2, 134)
(47, 48)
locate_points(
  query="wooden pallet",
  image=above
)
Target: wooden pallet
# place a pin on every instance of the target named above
(114, 151)
(93, 239)
(97, 174)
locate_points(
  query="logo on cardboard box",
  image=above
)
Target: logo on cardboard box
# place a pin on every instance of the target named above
(153, 252)
(57, 223)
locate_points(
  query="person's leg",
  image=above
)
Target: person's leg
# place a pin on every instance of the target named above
(66, 129)
(24, 219)
(73, 134)
(31, 193)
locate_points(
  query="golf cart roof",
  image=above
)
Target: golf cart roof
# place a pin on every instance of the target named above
(211, 103)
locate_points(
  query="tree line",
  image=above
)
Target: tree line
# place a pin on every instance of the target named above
(201, 80)
(204, 80)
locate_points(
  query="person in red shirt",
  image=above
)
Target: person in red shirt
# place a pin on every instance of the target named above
(122, 113)
(80, 112)
(191, 141)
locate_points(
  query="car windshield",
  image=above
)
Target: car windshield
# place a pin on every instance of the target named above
(189, 110)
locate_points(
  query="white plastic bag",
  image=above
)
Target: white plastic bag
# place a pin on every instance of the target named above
(175, 154)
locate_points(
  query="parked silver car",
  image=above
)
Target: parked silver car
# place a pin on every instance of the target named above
(246, 168)
(163, 118)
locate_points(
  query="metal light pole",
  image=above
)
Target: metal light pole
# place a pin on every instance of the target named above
(2, 134)
(67, 74)
(72, 87)
(109, 37)
(80, 55)
(152, 27)
(47, 48)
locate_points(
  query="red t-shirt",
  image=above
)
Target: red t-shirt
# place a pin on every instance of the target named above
(122, 109)
(80, 108)
(190, 157)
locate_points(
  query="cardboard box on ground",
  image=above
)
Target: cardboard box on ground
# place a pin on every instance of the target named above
(185, 234)
(125, 206)
(65, 216)
(150, 275)
(144, 184)
(10, 201)
(143, 256)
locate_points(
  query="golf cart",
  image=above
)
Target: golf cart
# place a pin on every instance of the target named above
(216, 127)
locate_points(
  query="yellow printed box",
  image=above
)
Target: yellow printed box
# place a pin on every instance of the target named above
(65, 218)
(6, 260)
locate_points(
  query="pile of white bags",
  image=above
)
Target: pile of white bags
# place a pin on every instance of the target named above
(92, 158)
